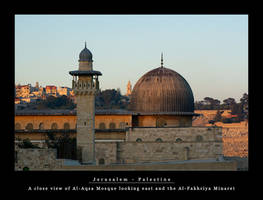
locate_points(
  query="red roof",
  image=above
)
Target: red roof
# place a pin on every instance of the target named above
(51, 87)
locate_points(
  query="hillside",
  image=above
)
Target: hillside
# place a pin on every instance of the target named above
(234, 135)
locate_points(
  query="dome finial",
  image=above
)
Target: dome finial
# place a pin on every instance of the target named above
(85, 44)
(162, 60)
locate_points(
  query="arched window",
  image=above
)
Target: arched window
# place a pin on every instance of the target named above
(29, 126)
(158, 140)
(138, 140)
(199, 138)
(17, 126)
(66, 126)
(41, 126)
(112, 125)
(101, 161)
(54, 126)
(122, 125)
(102, 125)
(178, 140)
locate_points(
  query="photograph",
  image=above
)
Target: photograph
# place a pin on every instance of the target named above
(131, 93)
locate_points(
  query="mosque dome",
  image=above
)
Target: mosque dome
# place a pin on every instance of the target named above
(162, 90)
(85, 55)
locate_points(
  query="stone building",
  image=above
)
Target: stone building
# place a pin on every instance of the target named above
(51, 90)
(157, 128)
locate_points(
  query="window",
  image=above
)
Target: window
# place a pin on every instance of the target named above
(17, 126)
(41, 126)
(158, 140)
(122, 125)
(102, 126)
(29, 126)
(138, 140)
(54, 126)
(112, 125)
(178, 140)
(66, 126)
(101, 161)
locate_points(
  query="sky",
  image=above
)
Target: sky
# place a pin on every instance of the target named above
(209, 51)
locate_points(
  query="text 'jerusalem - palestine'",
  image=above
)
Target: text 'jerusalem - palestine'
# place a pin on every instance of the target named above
(138, 179)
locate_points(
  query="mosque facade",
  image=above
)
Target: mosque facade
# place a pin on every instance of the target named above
(156, 128)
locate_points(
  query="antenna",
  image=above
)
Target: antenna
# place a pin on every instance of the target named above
(162, 60)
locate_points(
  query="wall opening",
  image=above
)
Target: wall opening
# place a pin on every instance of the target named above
(101, 161)
(54, 126)
(112, 125)
(29, 126)
(102, 126)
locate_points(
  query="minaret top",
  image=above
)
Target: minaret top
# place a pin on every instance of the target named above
(85, 64)
(85, 54)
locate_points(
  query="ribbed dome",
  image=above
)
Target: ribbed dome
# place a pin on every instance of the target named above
(162, 90)
(85, 55)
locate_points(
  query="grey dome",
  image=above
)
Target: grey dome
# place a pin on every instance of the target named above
(162, 90)
(85, 55)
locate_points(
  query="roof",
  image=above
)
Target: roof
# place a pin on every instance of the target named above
(71, 112)
(162, 90)
(85, 54)
(83, 73)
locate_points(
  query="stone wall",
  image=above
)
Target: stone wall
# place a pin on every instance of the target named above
(136, 152)
(163, 144)
(139, 152)
(186, 134)
(37, 159)
(106, 152)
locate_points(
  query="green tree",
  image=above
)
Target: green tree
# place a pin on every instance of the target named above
(61, 102)
(218, 116)
(244, 104)
(26, 144)
(227, 103)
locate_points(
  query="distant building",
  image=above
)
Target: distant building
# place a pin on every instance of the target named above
(17, 101)
(129, 89)
(51, 90)
(23, 90)
(63, 91)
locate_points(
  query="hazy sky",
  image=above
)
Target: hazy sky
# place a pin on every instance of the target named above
(209, 51)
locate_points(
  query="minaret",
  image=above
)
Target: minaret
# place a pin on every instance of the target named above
(85, 85)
